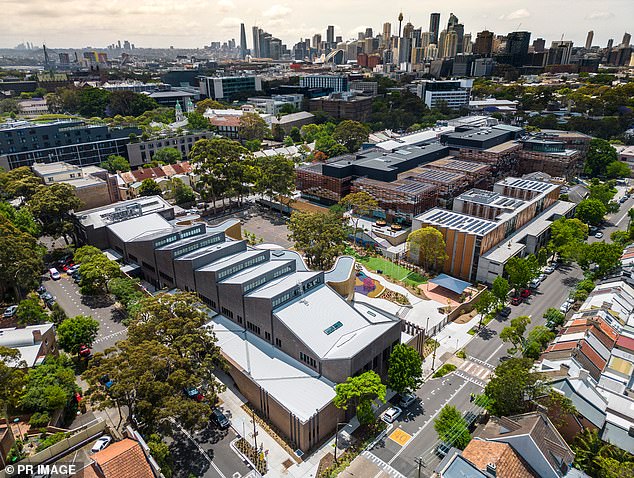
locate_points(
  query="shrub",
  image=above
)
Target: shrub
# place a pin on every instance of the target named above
(39, 420)
(444, 370)
(51, 440)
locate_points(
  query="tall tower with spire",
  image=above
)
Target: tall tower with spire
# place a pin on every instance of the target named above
(178, 112)
(400, 22)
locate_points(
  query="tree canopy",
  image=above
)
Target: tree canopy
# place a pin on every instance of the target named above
(49, 386)
(500, 289)
(359, 392)
(30, 311)
(600, 155)
(149, 187)
(521, 270)
(115, 163)
(601, 256)
(167, 156)
(358, 204)
(351, 134)
(514, 333)
(208, 103)
(96, 271)
(404, 373)
(512, 387)
(427, 246)
(51, 206)
(252, 126)
(567, 236)
(21, 261)
(452, 428)
(75, 332)
(591, 211)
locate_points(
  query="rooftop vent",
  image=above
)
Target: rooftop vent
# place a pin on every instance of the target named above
(492, 468)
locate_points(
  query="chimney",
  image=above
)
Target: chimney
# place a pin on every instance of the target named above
(37, 336)
(492, 469)
(583, 374)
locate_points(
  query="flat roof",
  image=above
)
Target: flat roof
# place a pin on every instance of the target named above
(53, 168)
(528, 184)
(295, 386)
(140, 226)
(104, 215)
(458, 221)
(229, 260)
(311, 315)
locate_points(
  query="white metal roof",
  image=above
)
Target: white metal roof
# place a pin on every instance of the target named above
(135, 227)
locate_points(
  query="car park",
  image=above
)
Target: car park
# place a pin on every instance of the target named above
(391, 414)
(102, 443)
(73, 269)
(10, 311)
(220, 419)
(565, 307)
(406, 400)
(516, 300)
(598, 235)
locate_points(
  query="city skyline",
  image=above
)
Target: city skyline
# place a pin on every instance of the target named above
(71, 24)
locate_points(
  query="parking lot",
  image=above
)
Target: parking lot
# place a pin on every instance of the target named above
(266, 224)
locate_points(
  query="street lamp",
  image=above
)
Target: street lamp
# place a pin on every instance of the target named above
(337, 438)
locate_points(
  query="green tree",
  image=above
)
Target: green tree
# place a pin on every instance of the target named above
(452, 428)
(321, 236)
(588, 446)
(275, 176)
(130, 103)
(149, 187)
(600, 155)
(52, 206)
(618, 169)
(77, 331)
(12, 380)
(500, 289)
(537, 340)
(9, 105)
(252, 126)
(295, 135)
(601, 256)
(181, 192)
(198, 122)
(554, 317)
(57, 314)
(95, 273)
(21, 261)
(86, 101)
(85, 253)
(487, 302)
(161, 453)
(208, 103)
(521, 270)
(167, 156)
(25, 222)
(514, 333)
(405, 372)
(115, 163)
(359, 392)
(358, 204)
(351, 134)
(19, 182)
(591, 211)
(127, 292)
(567, 237)
(512, 387)
(30, 311)
(427, 246)
(605, 193)
(49, 386)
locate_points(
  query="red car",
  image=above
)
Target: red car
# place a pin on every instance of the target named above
(84, 351)
(516, 300)
(525, 293)
(67, 266)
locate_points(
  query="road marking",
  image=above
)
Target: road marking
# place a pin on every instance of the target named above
(495, 351)
(619, 221)
(400, 436)
(469, 378)
(386, 467)
(108, 337)
(197, 445)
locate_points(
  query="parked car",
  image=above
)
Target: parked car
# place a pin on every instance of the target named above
(73, 269)
(542, 277)
(10, 311)
(66, 267)
(565, 307)
(516, 300)
(106, 381)
(593, 229)
(47, 297)
(84, 351)
(220, 419)
(525, 293)
(442, 449)
(549, 270)
(54, 273)
(598, 235)
(406, 400)
(505, 312)
(194, 393)
(102, 443)
(535, 283)
(570, 300)
(504, 358)
(391, 414)
(41, 290)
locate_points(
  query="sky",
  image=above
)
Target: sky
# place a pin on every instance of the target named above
(194, 23)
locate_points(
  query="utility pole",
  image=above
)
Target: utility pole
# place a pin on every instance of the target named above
(421, 464)
(255, 433)
(433, 358)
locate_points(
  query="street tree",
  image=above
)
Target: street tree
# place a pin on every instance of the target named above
(203, 105)
(487, 302)
(604, 192)
(181, 192)
(514, 333)
(96, 272)
(127, 292)
(19, 182)
(537, 340)
(591, 211)
(320, 236)
(567, 237)
(115, 163)
(149, 187)
(21, 261)
(49, 386)
(12, 380)
(359, 392)
(500, 289)
(512, 387)
(351, 134)
(618, 169)
(30, 311)
(75, 332)
(554, 318)
(85, 253)
(405, 372)
(521, 270)
(600, 154)
(452, 428)
(600, 257)
(252, 126)
(52, 206)
(427, 247)
(275, 177)
(167, 156)
(358, 204)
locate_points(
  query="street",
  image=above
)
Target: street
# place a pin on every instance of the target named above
(400, 452)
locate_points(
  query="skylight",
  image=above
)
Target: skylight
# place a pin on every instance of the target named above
(333, 327)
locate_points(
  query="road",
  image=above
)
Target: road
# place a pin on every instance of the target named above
(398, 452)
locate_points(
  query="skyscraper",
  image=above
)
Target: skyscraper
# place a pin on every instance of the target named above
(400, 22)
(453, 21)
(559, 53)
(626, 40)
(434, 27)
(517, 46)
(450, 47)
(539, 45)
(387, 32)
(255, 51)
(243, 42)
(330, 36)
(610, 43)
(317, 41)
(484, 43)
(369, 33)
(589, 39)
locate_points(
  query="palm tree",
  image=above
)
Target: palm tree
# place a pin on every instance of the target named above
(588, 447)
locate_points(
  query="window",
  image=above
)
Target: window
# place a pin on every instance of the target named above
(253, 328)
(267, 336)
(307, 359)
(333, 327)
(278, 343)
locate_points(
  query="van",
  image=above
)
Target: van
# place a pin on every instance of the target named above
(54, 274)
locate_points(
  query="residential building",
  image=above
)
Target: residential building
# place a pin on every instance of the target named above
(93, 185)
(331, 83)
(34, 342)
(452, 93)
(126, 458)
(272, 105)
(129, 182)
(287, 333)
(226, 87)
(343, 106)
(294, 120)
(141, 152)
(23, 143)
(33, 107)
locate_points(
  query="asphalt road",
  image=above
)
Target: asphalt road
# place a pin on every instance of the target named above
(483, 352)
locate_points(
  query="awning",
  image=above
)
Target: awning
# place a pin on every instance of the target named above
(455, 285)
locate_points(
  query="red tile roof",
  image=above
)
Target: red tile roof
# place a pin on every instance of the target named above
(592, 355)
(625, 343)
(123, 459)
(507, 462)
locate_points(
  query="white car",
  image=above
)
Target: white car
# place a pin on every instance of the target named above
(542, 277)
(565, 307)
(102, 443)
(535, 283)
(598, 235)
(10, 311)
(570, 300)
(391, 414)
(549, 270)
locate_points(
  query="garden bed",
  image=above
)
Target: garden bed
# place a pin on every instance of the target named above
(255, 457)
(444, 370)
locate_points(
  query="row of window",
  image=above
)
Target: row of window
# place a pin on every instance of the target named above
(241, 266)
(254, 328)
(197, 245)
(307, 359)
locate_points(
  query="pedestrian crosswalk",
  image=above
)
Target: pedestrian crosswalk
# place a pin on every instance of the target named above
(381, 464)
(475, 371)
(469, 378)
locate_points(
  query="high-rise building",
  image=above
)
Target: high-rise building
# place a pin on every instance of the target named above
(467, 44)
(626, 40)
(539, 45)
(368, 32)
(610, 43)
(450, 47)
(442, 36)
(589, 39)
(243, 42)
(453, 21)
(317, 41)
(330, 36)
(484, 43)
(408, 30)
(255, 51)
(559, 53)
(425, 39)
(387, 33)
(434, 27)
(517, 47)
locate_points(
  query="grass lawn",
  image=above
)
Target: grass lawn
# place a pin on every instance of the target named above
(394, 271)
